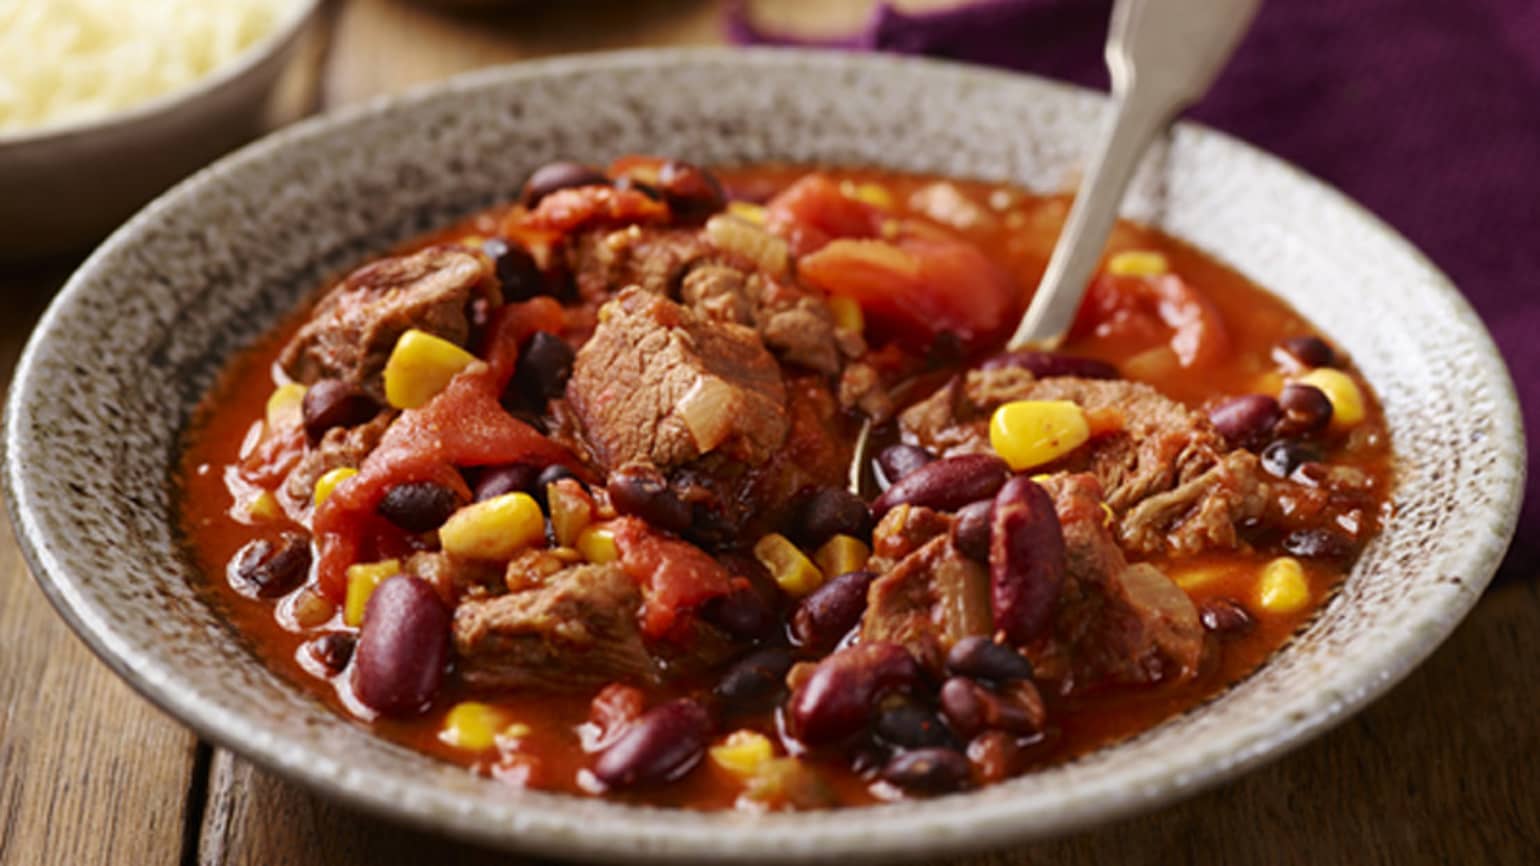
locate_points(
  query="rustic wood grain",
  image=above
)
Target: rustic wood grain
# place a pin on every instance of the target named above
(89, 773)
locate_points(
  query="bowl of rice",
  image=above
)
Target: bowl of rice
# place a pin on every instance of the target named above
(104, 104)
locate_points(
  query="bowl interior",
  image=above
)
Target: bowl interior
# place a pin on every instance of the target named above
(106, 386)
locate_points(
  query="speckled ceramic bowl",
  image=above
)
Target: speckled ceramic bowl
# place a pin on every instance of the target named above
(109, 380)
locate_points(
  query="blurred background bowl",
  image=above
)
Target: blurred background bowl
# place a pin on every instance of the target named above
(66, 186)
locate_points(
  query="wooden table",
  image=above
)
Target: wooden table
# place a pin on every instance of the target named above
(1446, 769)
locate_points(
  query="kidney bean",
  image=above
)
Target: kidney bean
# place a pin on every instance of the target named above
(1319, 544)
(691, 191)
(642, 491)
(334, 403)
(1305, 351)
(555, 176)
(1281, 458)
(824, 512)
(664, 744)
(970, 708)
(403, 646)
(836, 700)
(516, 270)
(543, 368)
(1047, 365)
(979, 657)
(754, 680)
(931, 771)
(513, 478)
(742, 613)
(1026, 560)
(970, 532)
(896, 461)
(946, 485)
(910, 726)
(1225, 616)
(333, 650)
(829, 612)
(1306, 410)
(267, 569)
(648, 190)
(418, 506)
(1245, 420)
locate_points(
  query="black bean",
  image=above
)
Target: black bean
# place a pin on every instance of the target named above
(946, 485)
(513, 478)
(557, 176)
(333, 650)
(963, 706)
(910, 726)
(1225, 616)
(1305, 351)
(418, 506)
(1047, 365)
(899, 460)
(837, 699)
(642, 491)
(828, 613)
(1284, 456)
(403, 647)
(742, 613)
(691, 191)
(754, 680)
(929, 771)
(268, 569)
(1245, 420)
(1319, 544)
(516, 270)
(1306, 410)
(980, 657)
(543, 368)
(661, 746)
(970, 532)
(971, 708)
(334, 403)
(824, 512)
(646, 189)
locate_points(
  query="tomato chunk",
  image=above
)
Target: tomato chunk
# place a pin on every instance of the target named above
(812, 212)
(675, 576)
(568, 210)
(1151, 309)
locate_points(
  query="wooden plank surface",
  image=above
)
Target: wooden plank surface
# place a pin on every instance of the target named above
(1443, 770)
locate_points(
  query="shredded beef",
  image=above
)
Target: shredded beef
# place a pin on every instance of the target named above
(931, 599)
(655, 259)
(1173, 481)
(576, 630)
(658, 384)
(354, 328)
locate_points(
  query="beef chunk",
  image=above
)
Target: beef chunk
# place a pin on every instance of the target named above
(931, 599)
(659, 384)
(340, 447)
(353, 329)
(577, 630)
(1173, 481)
(1116, 622)
(655, 259)
(793, 323)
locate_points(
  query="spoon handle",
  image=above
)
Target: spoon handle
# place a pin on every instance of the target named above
(1163, 55)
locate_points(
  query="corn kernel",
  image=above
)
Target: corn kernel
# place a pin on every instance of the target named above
(310, 609)
(284, 406)
(517, 731)
(873, 194)
(362, 581)
(749, 211)
(1283, 588)
(842, 554)
(790, 567)
(1028, 433)
(472, 726)
(264, 506)
(847, 314)
(420, 366)
(1138, 263)
(1109, 517)
(473, 242)
(743, 753)
(597, 544)
(571, 511)
(495, 528)
(1347, 401)
(1192, 577)
(329, 481)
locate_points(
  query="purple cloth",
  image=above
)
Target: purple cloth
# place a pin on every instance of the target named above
(1425, 111)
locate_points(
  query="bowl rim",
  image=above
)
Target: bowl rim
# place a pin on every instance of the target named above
(992, 823)
(289, 25)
